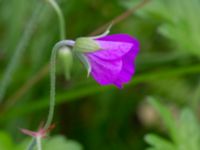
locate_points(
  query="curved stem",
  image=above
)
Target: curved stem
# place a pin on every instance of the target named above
(65, 43)
(53, 78)
(60, 18)
(53, 69)
(52, 85)
(53, 62)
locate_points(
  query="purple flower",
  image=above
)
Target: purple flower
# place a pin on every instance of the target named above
(113, 63)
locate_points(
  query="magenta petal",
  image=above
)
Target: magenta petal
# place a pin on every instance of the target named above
(123, 38)
(116, 45)
(104, 72)
(114, 62)
(119, 38)
(127, 70)
(112, 49)
(128, 67)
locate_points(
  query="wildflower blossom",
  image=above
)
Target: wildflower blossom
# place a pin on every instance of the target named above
(110, 58)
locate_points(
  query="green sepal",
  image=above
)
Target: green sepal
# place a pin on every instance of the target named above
(85, 62)
(85, 44)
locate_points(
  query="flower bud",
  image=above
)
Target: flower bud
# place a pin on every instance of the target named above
(85, 44)
(65, 58)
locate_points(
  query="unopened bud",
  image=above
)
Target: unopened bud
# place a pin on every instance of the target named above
(65, 58)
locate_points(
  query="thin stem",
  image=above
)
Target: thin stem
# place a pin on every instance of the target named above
(60, 18)
(53, 78)
(65, 43)
(52, 85)
(32, 144)
(38, 141)
(53, 64)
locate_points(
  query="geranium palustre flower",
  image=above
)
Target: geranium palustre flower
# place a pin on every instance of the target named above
(112, 62)
(110, 59)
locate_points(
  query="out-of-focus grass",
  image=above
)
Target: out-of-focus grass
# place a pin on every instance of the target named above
(99, 117)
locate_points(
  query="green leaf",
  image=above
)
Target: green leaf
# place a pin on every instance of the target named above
(174, 23)
(186, 130)
(166, 116)
(61, 143)
(188, 127)
(159, 143)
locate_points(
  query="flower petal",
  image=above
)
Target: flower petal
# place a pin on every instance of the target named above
(128, 67)
(115, 46)
(119, 38)
(112, 50)
(104, 72)
(123, 38)
(114, 64)
(127, 71)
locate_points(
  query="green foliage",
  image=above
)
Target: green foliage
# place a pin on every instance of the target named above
(184, 133)
(5, 141)
(177, 21)
(101, 117)
(51, 143)
(60, 143)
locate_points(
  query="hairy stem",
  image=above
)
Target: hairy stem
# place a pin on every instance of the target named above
(39, 144)
(52, 95)
(53, 67)
(52, 86)
(53, 79)
(60, 18)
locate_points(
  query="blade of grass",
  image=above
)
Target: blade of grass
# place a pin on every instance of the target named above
(72, 95)
(21, 47)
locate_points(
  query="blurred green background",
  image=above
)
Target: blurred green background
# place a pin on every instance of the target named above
(95, 117)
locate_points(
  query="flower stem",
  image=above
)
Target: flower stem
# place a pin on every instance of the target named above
(53, 62)
(38, 141)
(53, 70)
(60, 18)
(32, 144)
(53, 79)
(52, 87)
